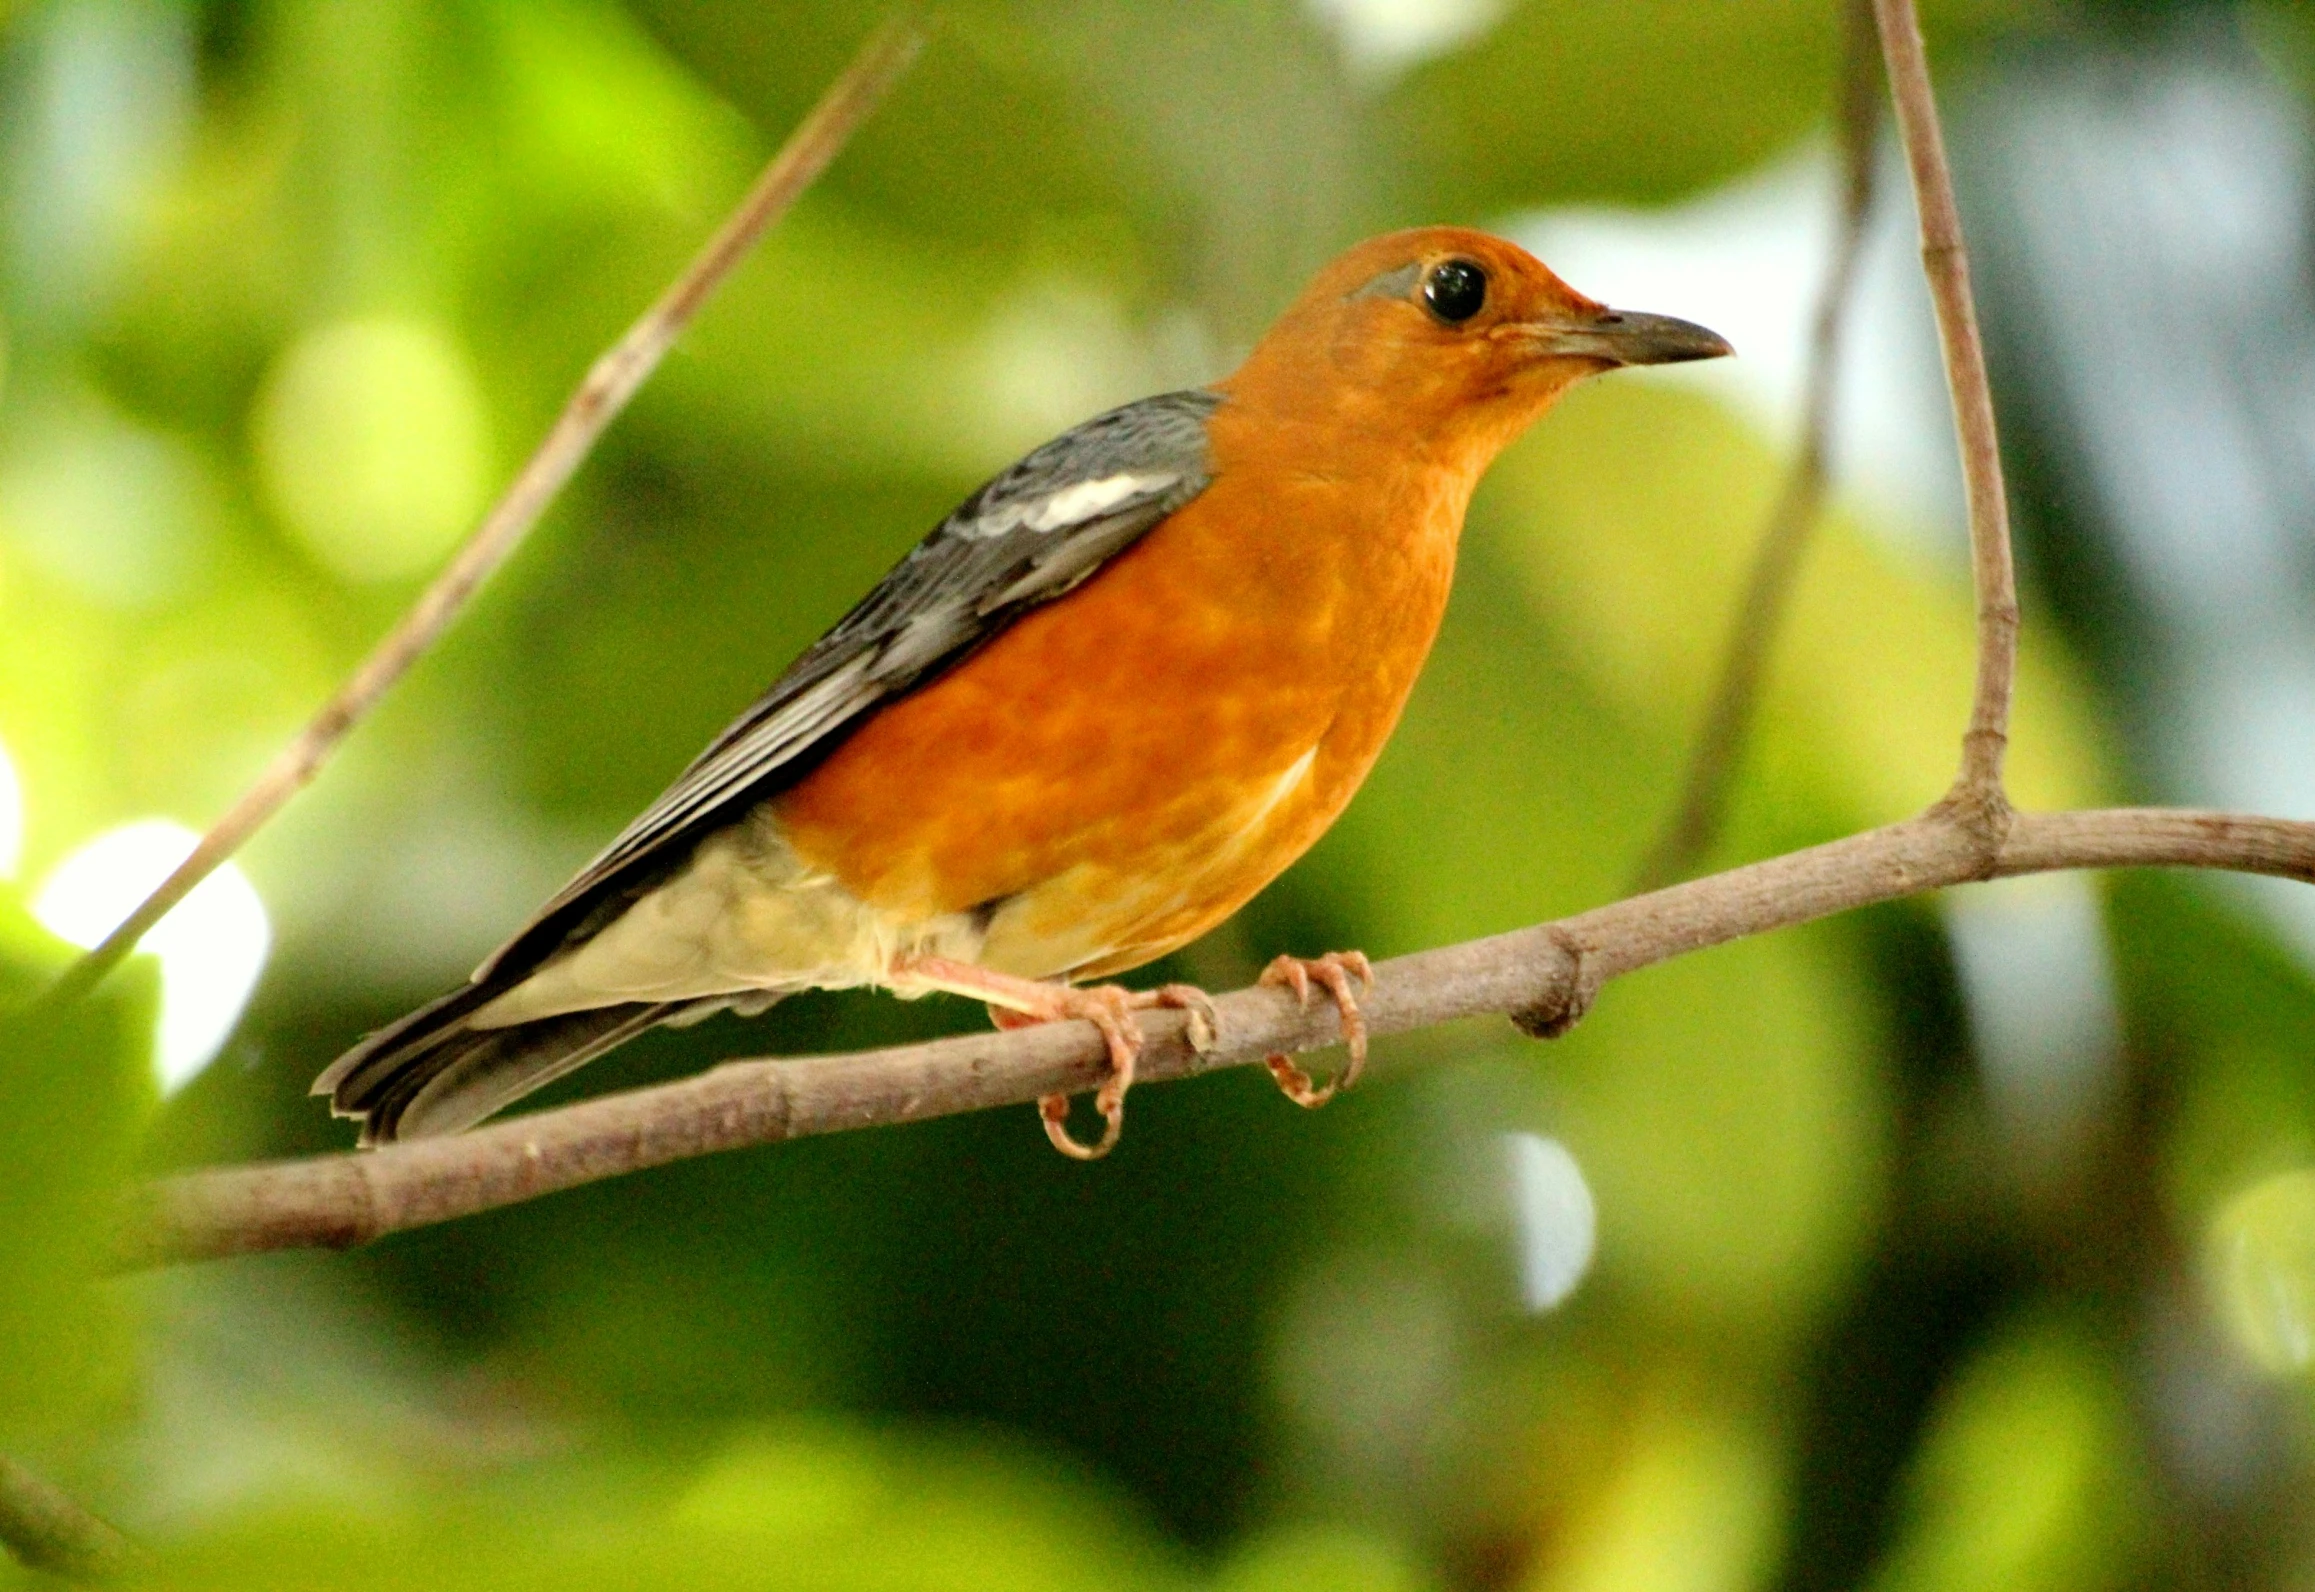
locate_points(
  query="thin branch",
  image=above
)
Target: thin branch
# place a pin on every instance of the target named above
(613, 380)
(1729, 712)
(46, 1530)
(1977, 790)
(1544, 977)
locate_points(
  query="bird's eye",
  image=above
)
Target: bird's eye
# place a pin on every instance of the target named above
(1455, 290)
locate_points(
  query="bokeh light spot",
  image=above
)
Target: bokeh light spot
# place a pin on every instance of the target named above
(1382, 38)
(2039, 986)
(211, 947)
(1554, 1216)
(2262, 1252)
(373, 445)
(121, 514)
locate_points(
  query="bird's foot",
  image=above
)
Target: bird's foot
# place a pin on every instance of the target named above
(1333, 973)
(1019, 1002)
(1109, 1008)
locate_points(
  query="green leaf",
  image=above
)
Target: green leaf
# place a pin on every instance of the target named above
(75, 1091)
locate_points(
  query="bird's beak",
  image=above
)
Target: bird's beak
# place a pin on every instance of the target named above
(1629, 337)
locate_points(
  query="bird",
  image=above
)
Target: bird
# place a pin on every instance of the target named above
(1116, 692)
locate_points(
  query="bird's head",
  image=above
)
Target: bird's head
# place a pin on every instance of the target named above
(1449, 336)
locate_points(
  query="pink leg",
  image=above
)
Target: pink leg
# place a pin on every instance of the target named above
(1018, 1002)
(1333, 973)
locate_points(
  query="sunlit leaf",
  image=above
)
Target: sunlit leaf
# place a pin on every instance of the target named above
(2027, 1478)
(1691, 1503)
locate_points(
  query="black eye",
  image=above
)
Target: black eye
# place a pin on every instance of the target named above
(1455, 290)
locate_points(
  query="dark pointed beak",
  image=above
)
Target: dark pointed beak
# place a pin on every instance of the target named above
(1630, 337)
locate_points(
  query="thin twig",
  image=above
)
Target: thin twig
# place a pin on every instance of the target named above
(1728, 715)
(1544, 976)
(47, 1530)
(1977, 790)
(613, 380)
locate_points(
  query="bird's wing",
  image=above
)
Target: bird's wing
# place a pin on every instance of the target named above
(1024, 538)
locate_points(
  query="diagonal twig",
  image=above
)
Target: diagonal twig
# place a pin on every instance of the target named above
(1977, 790)
(1736, 695)
(613, 379)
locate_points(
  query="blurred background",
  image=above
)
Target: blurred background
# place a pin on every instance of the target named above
(1965, 1243)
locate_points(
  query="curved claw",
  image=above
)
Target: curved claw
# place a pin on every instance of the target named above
(1109, 1008)
(1053, 1112)
(1333, 972)
(1015, 1002)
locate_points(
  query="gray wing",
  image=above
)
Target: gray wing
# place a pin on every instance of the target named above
(1024, 538)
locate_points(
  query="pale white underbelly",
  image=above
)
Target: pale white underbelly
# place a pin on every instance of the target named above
(747, 915)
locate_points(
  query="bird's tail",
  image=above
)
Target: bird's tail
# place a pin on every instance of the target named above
(433, 1072)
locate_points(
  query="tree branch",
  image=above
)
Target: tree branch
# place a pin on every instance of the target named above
(1544, 976)
(1977, 791)
(613, 380)
(46, 1530)
(1696, 819)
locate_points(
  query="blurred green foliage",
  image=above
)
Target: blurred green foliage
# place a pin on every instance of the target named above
(2026, 1476)
(75, 1096)
(286, 290)
(1609, 99)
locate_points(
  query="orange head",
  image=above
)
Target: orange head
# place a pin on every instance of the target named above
(1449, 341)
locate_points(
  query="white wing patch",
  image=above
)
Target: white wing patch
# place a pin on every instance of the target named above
(1072, 505)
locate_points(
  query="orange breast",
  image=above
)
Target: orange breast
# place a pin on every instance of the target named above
(1119, 767)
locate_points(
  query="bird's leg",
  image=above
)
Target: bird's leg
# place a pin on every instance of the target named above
(1019, 1002)
(1333, 973)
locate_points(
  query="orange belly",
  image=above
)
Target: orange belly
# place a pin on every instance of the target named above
(1120, 770)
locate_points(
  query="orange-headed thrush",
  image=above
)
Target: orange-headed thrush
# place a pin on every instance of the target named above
(1106, 701)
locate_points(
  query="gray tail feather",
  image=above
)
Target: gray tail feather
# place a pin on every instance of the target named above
(432, 1073)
